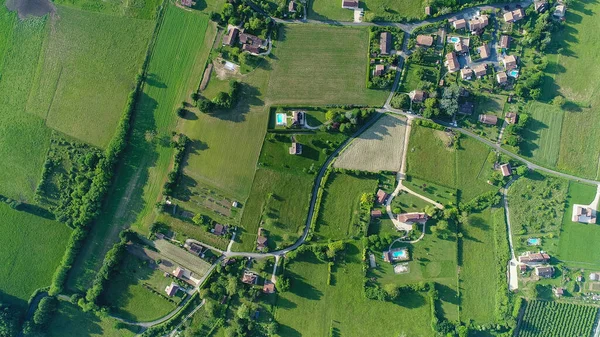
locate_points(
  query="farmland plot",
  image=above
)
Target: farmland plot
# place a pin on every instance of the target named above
(552, 319)
(379, 148)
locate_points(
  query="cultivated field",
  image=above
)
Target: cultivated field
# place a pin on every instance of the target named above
(182, 257)
(473, 168)
(143, 9)
(322, 65)
(575, 235)
(313, 308)
(331, 9)
(552, 319)
(70, 320)
(430, 158)
(86, 72)
(541, 138)
(379, 148)
(31, 250)
(183, 36)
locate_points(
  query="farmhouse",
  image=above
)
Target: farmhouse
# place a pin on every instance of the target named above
(545, 272)
(261, 241)
(249, 277)
(511, 117)
(231, 36)
(250, 48)
(252, 40)
(484, 51)
(466, 73)
(480, 70)
(296, 148)
(396, 254)
(269, 287)
(379, 70)
(452, 62)
(558, 292)
(292, 7)
(510, 62)
(417, 96)
(466, 108)
(194, 248)
(478, 23)
(219, 229)
(534, 258)
(506, 170)
(381, 196)
(583, 214)
(459, 24)
(501, 77)
(540, 6)
(376, 213)
(385, 43)
(414, 217)
(504, 41)
(172, 289)
(350, 4)
(560, 11)
(424, 40)
(488, 119)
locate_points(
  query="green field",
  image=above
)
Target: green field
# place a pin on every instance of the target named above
(185, 37)
(580, 143)
(472, 168)
(340, 207)
(86, 72)
(128, 296)
(442, 194)
(576, 235)
(332, 10)
(430, 158)
(313, 308)
(70, 320)
(322, 65)
(541, 138)
(328, 10)
(412, 80)
(31, 250)
(142, 9)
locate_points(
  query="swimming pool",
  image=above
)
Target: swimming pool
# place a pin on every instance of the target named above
(513, 73)
(534, 241)
(281, 119)
(399, 254)
(454, 39)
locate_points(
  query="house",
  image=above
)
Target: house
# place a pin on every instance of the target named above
(484, 51)
(417, 96)
(381, 196)
(376, 213)
(194, 248)
(232, 34)
(297, 118)
(249, 277)
(187, 3)
(428, 10)
(452, 62)
(523, 268)
(540, 6)
(583, 214)
(480, 70)
(396, 254)
(504, 41)
(558, 292)
(466, 73)
(179, 272)
(424, 40)
(252, 40)
(251, 48)
(379, 70)
(412, 217)
(350, 4)
(385, 43)
(460, 48)
(269, 287)
(296, 148)
(478, 23)
(514, 16)
(594, 277)
(172, 289)
(501, 77)
(534, 258)
(466, 108)
(508, 17)
(219, 229)
(459, 24)
(261, 242)
(292, 7)
(511, 118)
(506, 170)
(545, 272)
(488, 119)
(510, 62)
(559, 11)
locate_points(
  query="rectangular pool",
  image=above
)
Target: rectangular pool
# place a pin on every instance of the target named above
(534, 241)
(281, 119)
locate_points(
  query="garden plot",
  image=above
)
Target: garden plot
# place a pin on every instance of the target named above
(380, 148)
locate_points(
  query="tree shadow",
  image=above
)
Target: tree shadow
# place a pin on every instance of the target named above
(155, 81)
(288, 331)
(284, 303)
(249, 97)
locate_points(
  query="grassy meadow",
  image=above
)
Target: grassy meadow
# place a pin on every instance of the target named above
(541, 138)
(332, 9)
(86, 71)
(472, 168)
(322, 65)
(70, 320)
(142, 9)
(185, 37)
(31, 250)
(430, 158)
(576, 235)
(313, 308)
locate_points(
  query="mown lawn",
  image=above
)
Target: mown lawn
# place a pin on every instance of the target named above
(31, 250)
(328, 10)
(24, 139)
(313, 308)
(580, 143)
(340, 207)
(70, 320)
(332, 9)
(442, 194)
(142, 9)
(128, 297)
(430, 158)
(185, 37)
(412, 80)
(472, 168)
(322, 65)
(86, 72)
(576, 235)
(541, 137)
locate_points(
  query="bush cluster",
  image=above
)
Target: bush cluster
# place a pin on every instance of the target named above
(173, 177)
(223, 100)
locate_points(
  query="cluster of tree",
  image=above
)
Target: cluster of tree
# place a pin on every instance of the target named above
(223, 100)
(41, 317)
(375, 34)
(280, 9)
(512, 132)
(237, 12)
(347, 121)
(449, 101)
(173, 177)
(325, 252)
(429, 124)
(481, 202)
(14, 204)
(9, 321)
(380, 82)
(400, 101)
(540, 28)
(391, 291)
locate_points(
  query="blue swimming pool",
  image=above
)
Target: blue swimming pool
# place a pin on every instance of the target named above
(513, 73)
(399, 254)
(454, 39)
(534, 241)
(281, 119)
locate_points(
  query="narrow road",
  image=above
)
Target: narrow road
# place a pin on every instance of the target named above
(512, 273)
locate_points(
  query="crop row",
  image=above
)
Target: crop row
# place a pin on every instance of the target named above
(553, 319)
